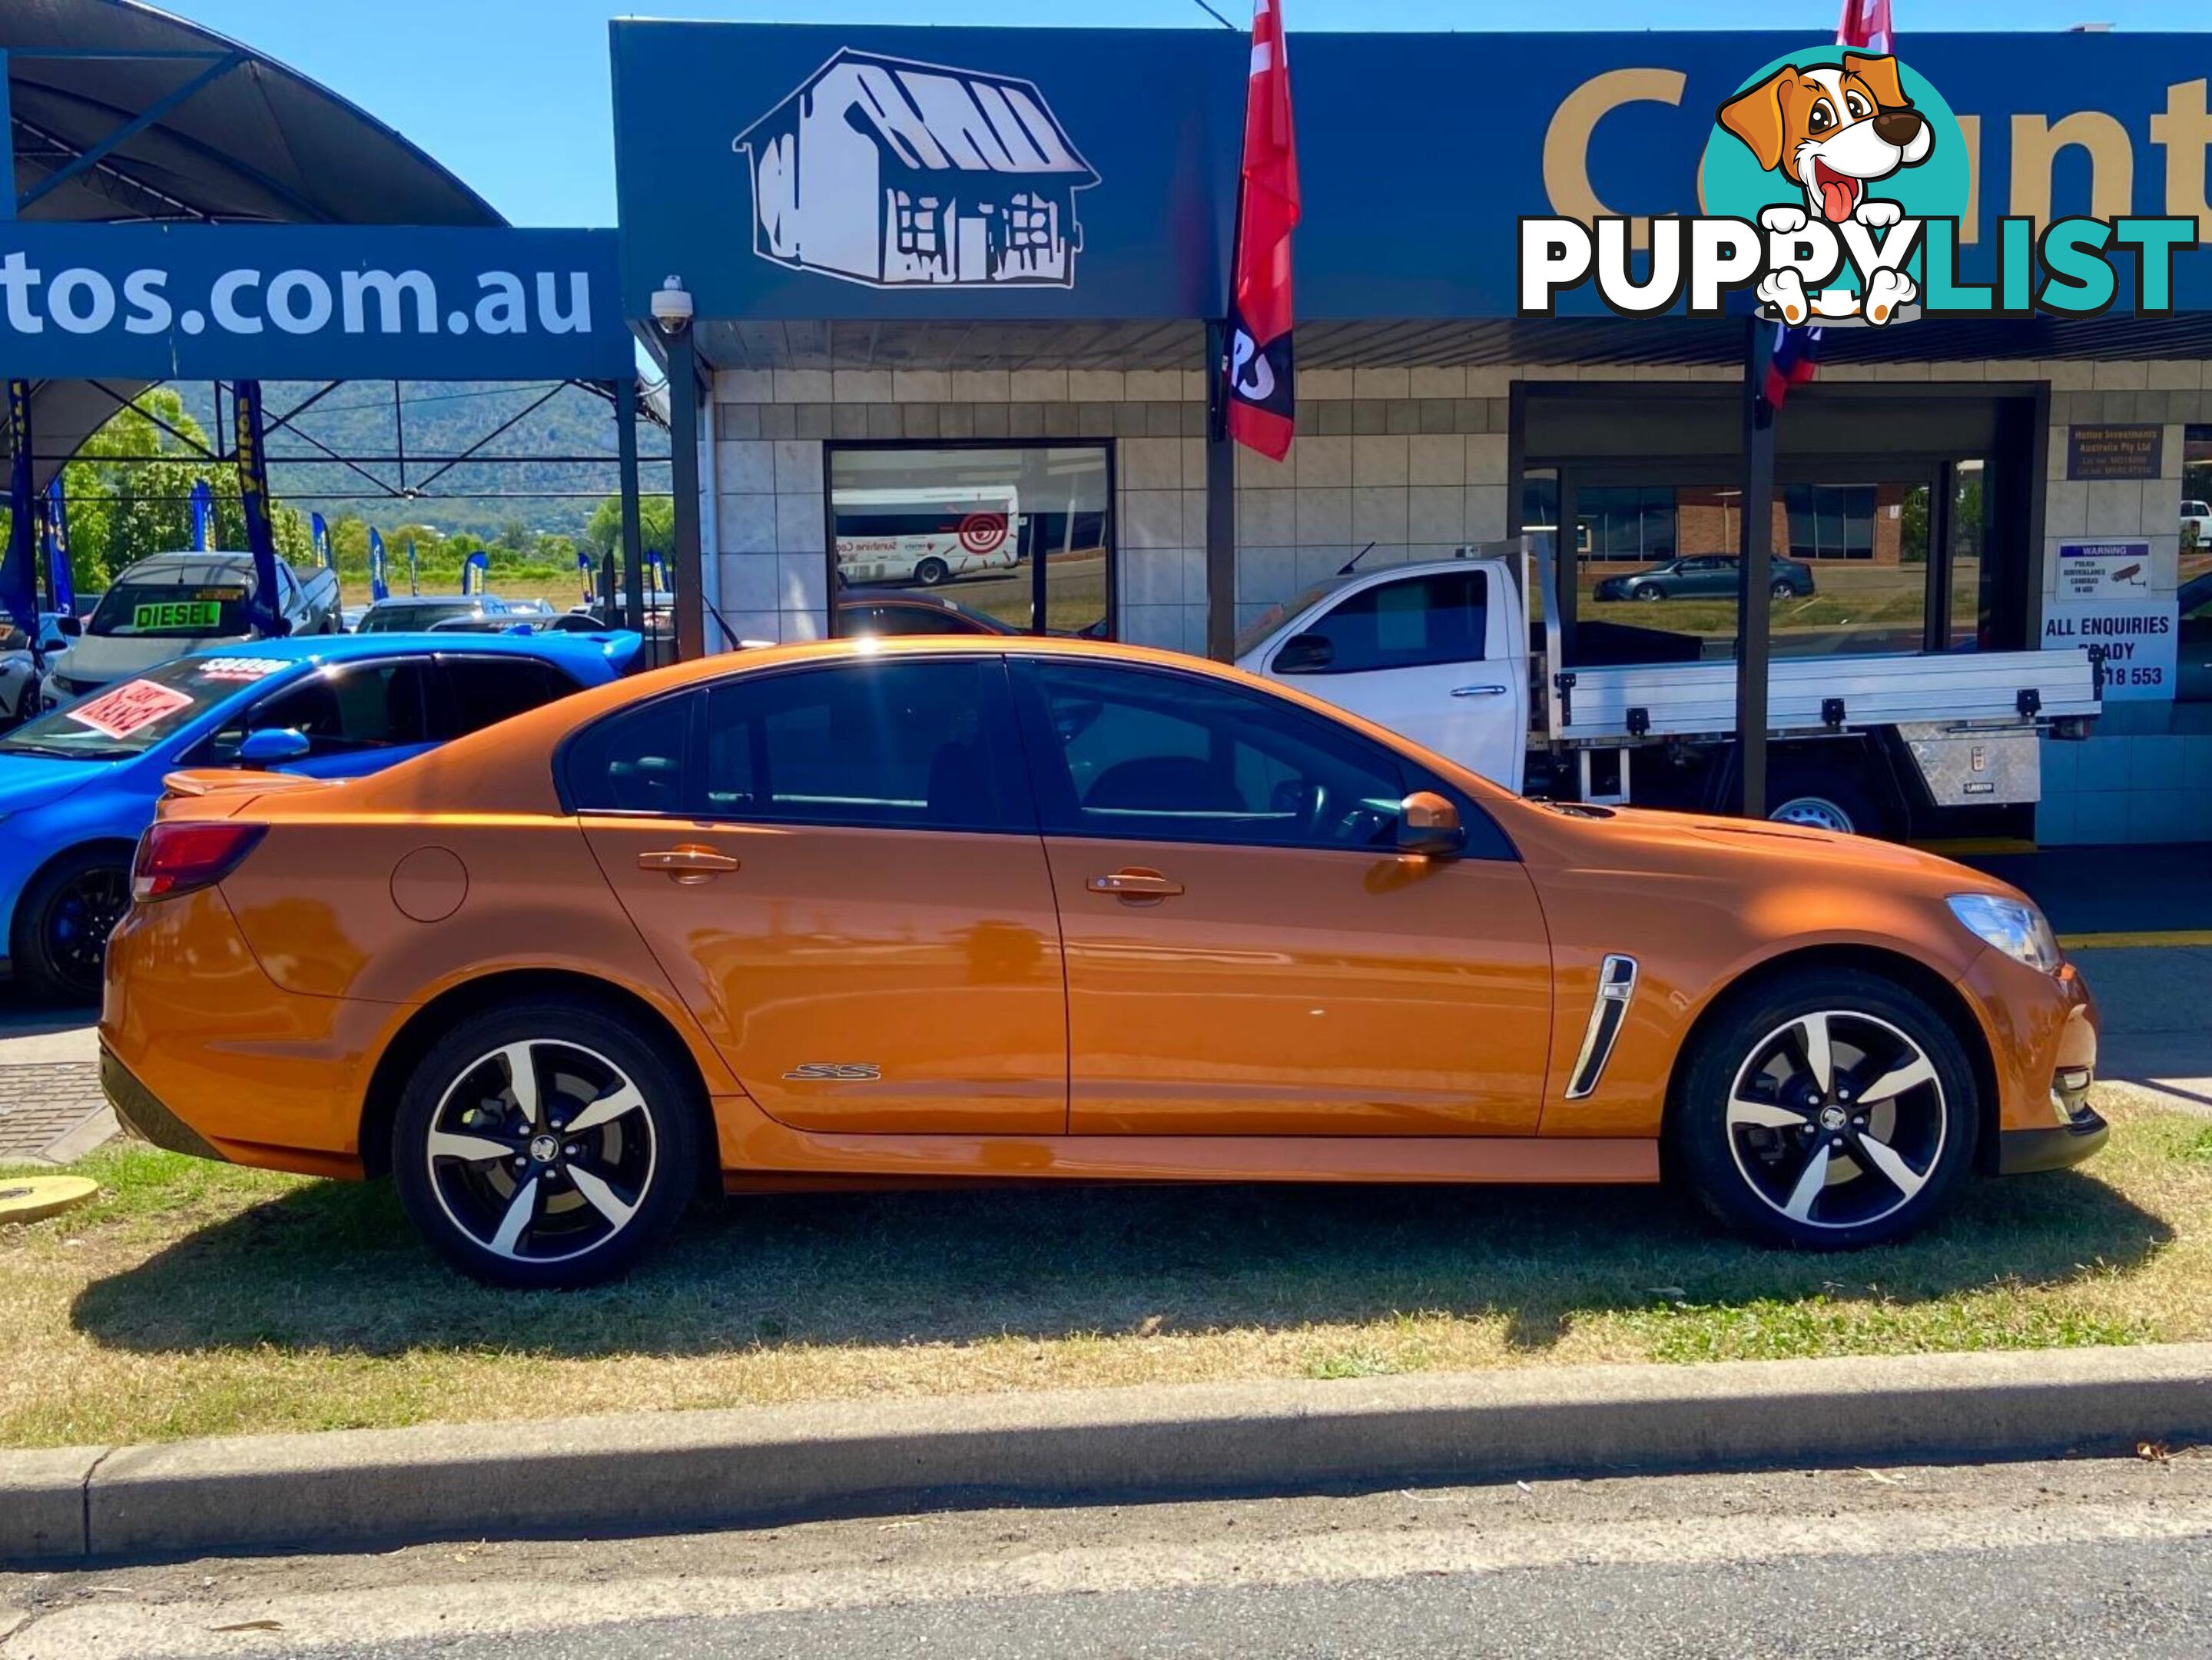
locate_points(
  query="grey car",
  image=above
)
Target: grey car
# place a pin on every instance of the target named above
(1704, 577)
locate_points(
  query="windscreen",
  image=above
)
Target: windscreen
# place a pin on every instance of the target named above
(131, 717)
(170, 611)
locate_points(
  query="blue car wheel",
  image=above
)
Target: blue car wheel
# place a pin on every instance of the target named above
(63, 924)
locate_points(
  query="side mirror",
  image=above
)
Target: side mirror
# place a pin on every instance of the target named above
(273, 745)
(71, 626)
(1304, 654)
(1429, 826)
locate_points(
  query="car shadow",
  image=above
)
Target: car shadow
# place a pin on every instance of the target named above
(333, 1267)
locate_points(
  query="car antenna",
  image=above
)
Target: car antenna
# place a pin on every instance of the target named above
(1346, 568)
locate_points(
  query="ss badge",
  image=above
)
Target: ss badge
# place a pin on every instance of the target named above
(842, 1071)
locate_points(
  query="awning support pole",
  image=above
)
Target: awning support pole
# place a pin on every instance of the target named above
(684, 479)
(1220, 501)
(632, 536)
(1756, 574)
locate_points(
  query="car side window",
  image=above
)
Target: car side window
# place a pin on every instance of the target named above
(909, 744)
(637, 760)
(1150, 755)
(482, 692)
(1418, 621)
(341, 710)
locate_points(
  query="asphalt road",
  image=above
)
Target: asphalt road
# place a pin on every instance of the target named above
(2090, 1558)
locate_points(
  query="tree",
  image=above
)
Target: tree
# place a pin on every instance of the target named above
(656, 517)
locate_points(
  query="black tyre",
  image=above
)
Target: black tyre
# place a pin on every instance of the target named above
(59, 943)
(1783, 589)
(931, 571)
(1647, 591)
(1827, 1110)
(545, 1145)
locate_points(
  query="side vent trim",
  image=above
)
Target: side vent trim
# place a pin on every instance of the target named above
(1616, 989)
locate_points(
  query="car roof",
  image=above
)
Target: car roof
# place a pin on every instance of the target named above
(185, 565)
(396, 600)
(351, 647)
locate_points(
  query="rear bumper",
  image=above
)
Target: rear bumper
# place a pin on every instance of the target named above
(139, 1109)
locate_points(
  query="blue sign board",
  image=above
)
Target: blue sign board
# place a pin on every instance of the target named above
(163, 301)
(827, 172)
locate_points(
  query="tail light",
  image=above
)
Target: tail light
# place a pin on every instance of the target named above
(179, 856)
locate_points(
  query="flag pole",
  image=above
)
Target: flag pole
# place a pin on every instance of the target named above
(1754, 572)
(1221, 465)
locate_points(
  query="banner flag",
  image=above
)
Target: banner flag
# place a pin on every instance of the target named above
(266, 607)
(202, 516)
(378, 587)
(322, 534)
(1261, 395)
(475, 572)
(61, 581)
(415, 570)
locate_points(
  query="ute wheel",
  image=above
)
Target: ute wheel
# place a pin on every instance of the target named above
(1829, 1110)
(1824, 798)
(63, 921)
(930, 572)
(545, 1146)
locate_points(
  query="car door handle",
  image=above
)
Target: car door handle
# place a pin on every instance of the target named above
(1136, 885)
(1478, 691)
(688, 865)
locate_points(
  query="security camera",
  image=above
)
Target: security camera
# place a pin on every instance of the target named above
(671, 305)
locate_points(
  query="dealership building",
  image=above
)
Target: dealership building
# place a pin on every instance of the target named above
(946, 295)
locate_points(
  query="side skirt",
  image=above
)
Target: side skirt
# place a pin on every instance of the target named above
(763, 1151)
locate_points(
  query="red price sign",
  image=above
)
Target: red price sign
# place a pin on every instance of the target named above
(132, 705)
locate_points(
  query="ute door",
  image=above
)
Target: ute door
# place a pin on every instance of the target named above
(1246, 953)
(1428, 654)
(838, 868)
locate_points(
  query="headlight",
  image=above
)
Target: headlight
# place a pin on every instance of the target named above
(2013, 926)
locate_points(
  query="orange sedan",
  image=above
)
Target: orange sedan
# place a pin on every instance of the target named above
(911, 910)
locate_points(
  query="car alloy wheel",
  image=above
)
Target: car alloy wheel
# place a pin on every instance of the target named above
(540, 1152)
(1647, 592)
(1837, 1120)
(1782, 590)
(81, 914)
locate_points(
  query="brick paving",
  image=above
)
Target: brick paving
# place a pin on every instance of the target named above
(41, 1101)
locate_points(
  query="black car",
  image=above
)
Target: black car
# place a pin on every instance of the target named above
(1704, 577)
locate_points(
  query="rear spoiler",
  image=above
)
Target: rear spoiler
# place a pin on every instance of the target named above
(236, 781)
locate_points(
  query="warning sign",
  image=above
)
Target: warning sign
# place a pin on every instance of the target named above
(2104, 570)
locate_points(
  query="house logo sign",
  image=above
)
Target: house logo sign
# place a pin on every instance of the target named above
(900, 174)
(1833, 184)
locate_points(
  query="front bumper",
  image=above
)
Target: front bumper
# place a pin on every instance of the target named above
(2021, 1153)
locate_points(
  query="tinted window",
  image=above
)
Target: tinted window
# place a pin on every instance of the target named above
(1144, 755)
(481, 691)
(1442, 618)
(903, 619)
(341, 710)
(403, 619)
(893, 743)
(634, 761)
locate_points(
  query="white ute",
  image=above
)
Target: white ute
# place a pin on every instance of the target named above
(1441, 652)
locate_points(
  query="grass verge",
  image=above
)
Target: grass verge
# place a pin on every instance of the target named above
(195, 1300)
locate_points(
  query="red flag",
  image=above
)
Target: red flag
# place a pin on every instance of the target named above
(1865, 27)
(1260, 404)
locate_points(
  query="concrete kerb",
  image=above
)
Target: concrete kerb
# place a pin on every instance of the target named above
(652, 1472)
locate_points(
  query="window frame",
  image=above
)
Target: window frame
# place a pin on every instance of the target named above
(1058, 814)
(832, 447)
(1012, 789)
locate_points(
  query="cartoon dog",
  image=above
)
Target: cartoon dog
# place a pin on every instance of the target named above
(1832, 130)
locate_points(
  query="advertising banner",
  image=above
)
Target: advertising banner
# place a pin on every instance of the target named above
(855, 171)
(308, 302)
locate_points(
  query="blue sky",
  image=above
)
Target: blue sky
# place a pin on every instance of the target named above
(513, 95)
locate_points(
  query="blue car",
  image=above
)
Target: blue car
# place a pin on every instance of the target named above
(79, 783)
